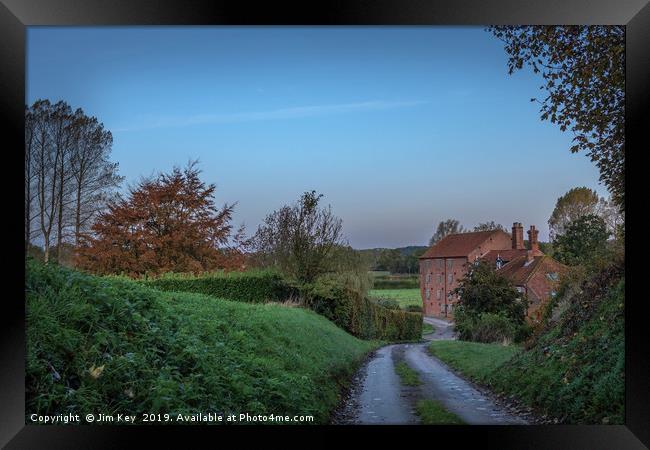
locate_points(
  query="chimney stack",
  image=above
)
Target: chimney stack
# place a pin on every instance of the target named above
(517, 236)
(533, 243)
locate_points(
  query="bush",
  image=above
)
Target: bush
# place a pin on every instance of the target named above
(489, 328)
(358, 315)
(256, 286)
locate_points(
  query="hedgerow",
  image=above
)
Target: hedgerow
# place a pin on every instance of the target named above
(251, 286)
(361, 317)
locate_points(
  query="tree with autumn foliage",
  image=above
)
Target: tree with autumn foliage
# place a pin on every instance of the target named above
(166, 224)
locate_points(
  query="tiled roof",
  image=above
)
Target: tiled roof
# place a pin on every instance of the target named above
(519, 270)
(460, 244)
(506, 255)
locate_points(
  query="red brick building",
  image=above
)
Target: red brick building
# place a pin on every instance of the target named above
(446, 262)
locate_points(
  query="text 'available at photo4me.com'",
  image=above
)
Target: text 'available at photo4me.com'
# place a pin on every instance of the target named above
(197, 418)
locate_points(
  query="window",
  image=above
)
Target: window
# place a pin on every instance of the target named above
(439, 294)
(450, 263)
(553, 276)
(439, 262)
(428, 278)
(428, 291)
(439, 278)
(450, 278)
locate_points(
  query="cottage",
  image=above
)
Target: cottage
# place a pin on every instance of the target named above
(446, 262)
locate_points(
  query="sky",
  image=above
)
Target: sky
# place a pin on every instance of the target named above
(398, 127)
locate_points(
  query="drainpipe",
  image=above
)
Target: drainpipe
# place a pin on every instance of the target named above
(444, 293)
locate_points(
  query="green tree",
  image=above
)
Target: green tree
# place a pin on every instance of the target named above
(482, 290)
(445, 228)
(583, 240)
(300, 239)
(583, 68)
(578, 202)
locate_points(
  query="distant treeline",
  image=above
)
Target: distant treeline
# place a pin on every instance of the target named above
(397, 260)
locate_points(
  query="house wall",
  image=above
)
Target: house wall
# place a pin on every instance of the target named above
(439, 277)
(540, 288)
(443, 274)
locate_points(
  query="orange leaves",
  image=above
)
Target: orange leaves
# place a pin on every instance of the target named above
(169, 223)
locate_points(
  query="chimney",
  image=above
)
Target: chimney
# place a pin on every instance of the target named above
(517, 236)
(533, 243)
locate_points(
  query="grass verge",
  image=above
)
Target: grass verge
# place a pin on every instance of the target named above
(408, 376)
(432, 412)
(475, 360)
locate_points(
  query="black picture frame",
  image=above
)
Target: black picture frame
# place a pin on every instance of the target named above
(16, 15)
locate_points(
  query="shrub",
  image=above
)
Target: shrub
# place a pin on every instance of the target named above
(489, 328)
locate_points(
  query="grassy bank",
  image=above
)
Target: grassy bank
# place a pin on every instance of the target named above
(573, 369)
(338, 297)
(113, 345)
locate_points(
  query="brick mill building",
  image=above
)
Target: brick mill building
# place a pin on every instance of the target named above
(446, 262)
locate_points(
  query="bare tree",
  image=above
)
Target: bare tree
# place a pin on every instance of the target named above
(44, 162)
(299, 239)
(446, 227)
(68, 175)
(29, 175)
(489, 226)
(93, 174)
(63, 131)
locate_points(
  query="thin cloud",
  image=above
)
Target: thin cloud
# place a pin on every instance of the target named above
(276, 114)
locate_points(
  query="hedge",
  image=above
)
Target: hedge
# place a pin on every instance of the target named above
(396, 284)
(250, 287)
(331, 297)
(361, 317)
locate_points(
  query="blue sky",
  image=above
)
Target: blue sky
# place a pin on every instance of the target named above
(398, 127)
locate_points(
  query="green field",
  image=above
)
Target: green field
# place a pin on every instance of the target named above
(112, 345)
(404, 297)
